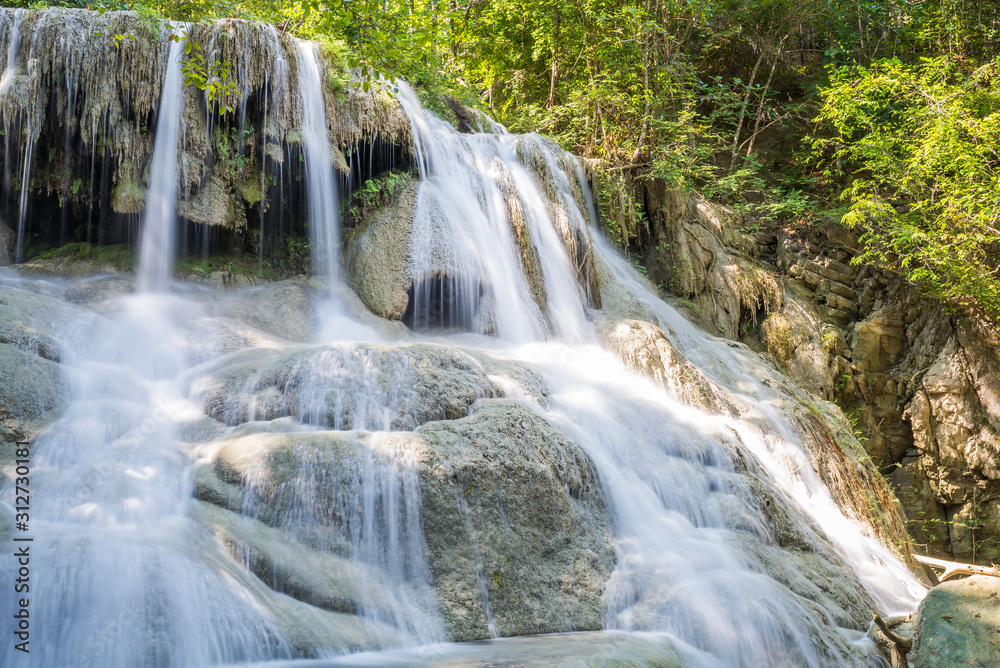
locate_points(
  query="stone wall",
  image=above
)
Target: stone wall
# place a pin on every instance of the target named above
(920, 383)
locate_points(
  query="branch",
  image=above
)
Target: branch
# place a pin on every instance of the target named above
(904, 644)
(953, 568)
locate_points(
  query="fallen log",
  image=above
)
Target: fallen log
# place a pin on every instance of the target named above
(953, 568)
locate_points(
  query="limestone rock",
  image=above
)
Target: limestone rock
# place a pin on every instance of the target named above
(34, 327)
(96, 291)
(369, 386)
(797, 339)
(645, 349)
(211, 205)
(378, 256)
(701, 255)
(513, 517)
(958, 625)
(532, 518)
(284, 309)
(8, 239)
(33, 392)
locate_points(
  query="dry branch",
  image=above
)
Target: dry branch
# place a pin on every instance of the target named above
(953, 568)
(897, 646)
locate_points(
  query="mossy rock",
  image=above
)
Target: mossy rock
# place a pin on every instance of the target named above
(128, 197)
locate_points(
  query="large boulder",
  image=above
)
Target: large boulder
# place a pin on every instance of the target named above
(33, 393)
(378, 256)
(514, 535)
(958, 625)
(34, 329)
(286, 309)
(344, 386)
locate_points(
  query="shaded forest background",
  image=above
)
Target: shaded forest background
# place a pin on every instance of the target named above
(883, 116)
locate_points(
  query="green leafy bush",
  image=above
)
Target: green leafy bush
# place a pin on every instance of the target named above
(922, 142)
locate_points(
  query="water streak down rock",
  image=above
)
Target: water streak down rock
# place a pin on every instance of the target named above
(371, 487)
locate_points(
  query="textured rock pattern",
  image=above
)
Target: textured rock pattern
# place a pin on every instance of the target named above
(958, 625)
(918, 383)
(378, 256)
(920, 386)
(695, 250)
(517, 532)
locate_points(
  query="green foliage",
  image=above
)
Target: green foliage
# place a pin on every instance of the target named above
(624, 220)
(386, 38)
(372, 195)
(335, 56)
(922, 141)
(209, 76)
(708, 95)
(296, 259)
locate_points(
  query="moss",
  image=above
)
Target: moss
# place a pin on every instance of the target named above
(777, 331)
(251, 189)
(756, 289)
(121, 257)
(245, 265)
(128, 197)
(334, 54)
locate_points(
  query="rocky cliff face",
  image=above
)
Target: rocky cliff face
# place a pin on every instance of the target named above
(79, 105)
(919, 383)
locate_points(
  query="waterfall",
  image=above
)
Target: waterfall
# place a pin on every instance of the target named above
(774, 443)
(13, 47)
(156, 251)
(461, 233)
(269, 475)
(664, 464)
(320, 184)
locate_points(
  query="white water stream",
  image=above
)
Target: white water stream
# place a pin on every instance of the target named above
(159, 218)
(127, 574)
(322, 188)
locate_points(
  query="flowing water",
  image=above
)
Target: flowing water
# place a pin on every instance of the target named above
(132, 571)
(322, 189)
(156, 250)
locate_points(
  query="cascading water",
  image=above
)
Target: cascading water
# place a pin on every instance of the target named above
(156, 251)
(13, 47)
(322, 188)
(775, 445)
(666, 465)
(316, 466)
(461, 234)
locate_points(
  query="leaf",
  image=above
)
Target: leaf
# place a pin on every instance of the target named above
(498, 578)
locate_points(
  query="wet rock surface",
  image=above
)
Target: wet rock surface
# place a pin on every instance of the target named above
(917, 382)
(958, 625)
(366, 386)
(512, 517)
